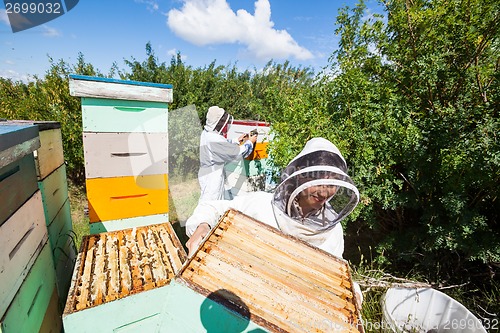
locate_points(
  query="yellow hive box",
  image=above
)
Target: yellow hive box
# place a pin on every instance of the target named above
(124, 197)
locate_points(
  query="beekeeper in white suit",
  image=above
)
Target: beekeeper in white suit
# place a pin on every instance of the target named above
(314, 195)
(216, 151)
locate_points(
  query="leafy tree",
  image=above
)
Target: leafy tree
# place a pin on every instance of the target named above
(416, 97)
(48, 99)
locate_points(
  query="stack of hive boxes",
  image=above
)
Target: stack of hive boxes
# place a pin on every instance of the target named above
(28, 293)
(124, 267)
(52, 182)
(125, 141)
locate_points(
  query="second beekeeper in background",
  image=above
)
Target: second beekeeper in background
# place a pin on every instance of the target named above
(216, 151)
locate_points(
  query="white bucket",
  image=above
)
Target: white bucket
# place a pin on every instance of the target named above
(426, 310)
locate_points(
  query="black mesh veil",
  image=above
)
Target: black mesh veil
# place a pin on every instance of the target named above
(316, 170)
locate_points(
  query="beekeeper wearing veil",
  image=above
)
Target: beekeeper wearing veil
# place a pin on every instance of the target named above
(314, 195)
(216, 151)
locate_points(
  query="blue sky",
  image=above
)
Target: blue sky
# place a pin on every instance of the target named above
(247, 33)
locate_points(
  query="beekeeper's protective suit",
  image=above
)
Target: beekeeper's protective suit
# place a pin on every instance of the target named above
(319, 163)
(215, 152)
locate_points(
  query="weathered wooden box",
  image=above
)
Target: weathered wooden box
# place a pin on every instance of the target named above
(27, 276)
(125, 137)
(50, 155)
(120, 279)
(273, 281)
(33, 300)
(125, 154)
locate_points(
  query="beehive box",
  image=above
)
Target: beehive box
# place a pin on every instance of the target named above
(276, 282)
(120, 279)
(125, 139)
(52, 182)
(249, 174)
(27, 276)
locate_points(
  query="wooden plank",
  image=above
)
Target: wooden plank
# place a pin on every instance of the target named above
(113, 287)
(125, 270)
(125, 154)
(54, 190)
(101, 115)
(43, 125)
(176, 254)
(272, 274)
(27, 310)
(99, 275)
(52, 321)
(86, 86)
(60, 230)
(66, 257)
(84, 281)
(17, 184)
(125, 197)
(50, 155)
(21, 239)
(127, 223)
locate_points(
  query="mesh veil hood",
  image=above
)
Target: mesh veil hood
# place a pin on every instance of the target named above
(217, 118)
(319, 163)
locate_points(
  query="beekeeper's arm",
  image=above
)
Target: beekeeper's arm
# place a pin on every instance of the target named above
(205, 217)
(246, 143)
(227, 151)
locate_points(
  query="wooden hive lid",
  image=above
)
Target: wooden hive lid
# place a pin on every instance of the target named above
(113, 265)
(285, 284)
(99, 87)
(17, 140)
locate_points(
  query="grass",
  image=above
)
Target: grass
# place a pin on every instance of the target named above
(78, 203)
(483, 303)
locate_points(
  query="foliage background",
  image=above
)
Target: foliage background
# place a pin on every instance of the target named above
(411, 98)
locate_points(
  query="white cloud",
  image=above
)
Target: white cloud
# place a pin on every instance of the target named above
(207, 22)
(173, 53)
(50, 32)
(151, 5)
(15, 76)
(3, 17)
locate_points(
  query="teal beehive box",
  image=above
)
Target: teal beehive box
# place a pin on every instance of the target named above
(28, 293)
(121, 280)
(125, 139)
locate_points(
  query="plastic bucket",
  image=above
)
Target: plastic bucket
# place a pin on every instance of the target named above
(426, 310)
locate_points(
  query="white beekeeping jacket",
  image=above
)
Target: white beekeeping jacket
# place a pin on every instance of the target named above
(215, 152)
